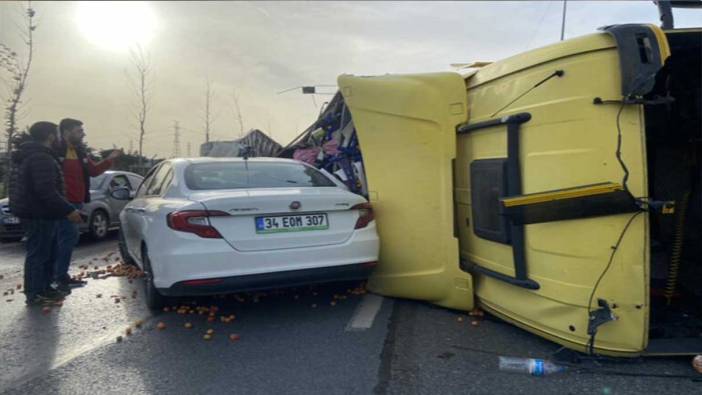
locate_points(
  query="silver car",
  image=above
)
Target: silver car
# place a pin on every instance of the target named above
(102, 213)
(99, 216)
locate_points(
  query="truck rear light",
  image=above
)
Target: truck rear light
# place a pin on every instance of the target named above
(365, 215)
(195, 221)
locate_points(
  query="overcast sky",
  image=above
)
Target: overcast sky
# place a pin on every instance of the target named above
(260, 48)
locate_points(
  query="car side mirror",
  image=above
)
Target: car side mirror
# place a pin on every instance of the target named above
(121, 193)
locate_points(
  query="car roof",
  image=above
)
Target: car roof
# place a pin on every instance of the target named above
(123, 172)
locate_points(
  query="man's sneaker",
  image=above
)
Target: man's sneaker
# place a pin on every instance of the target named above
(61, 288)
(74, 283)
(43, 299)
(55, 294)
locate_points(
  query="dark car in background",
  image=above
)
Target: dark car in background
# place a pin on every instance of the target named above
(99, 216)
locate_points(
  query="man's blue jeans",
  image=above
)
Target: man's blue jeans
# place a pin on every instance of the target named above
(67, 238)
(41, 253)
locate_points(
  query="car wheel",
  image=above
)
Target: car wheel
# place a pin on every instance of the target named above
(154, 300)
(122, 244)
(98, 225)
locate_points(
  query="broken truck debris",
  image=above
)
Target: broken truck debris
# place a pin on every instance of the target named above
(558, 189)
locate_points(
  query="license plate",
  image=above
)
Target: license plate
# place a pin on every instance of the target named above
(11, 220)
(291, 223)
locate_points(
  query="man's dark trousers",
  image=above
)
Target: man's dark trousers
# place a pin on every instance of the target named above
(67, 238)
(41, 250)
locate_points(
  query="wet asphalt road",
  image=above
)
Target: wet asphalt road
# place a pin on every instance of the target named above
(291, 341)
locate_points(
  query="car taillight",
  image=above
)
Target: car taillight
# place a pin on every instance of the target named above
(365, 215)
(195, 221)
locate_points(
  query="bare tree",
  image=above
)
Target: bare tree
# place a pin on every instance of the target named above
(18, 71)
(140, 79)
(208, 110)
(237, 113)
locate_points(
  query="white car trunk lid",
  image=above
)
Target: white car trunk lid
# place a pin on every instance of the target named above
(239, 228)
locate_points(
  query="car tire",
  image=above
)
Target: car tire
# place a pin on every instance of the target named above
(154, 300)
(123, 252)
(98, 224)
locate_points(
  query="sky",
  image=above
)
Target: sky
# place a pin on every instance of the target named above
(82, 64)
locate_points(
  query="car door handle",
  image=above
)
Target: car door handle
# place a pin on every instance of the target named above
(135, 210)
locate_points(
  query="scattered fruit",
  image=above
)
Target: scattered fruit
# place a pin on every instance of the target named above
(210, 319)
(459, 319)
(697, 363)
(128, 332)
(332, 303)
(161, 326)
(234, 337)
(207, 337)
(139, 323)
(210, 331)
(188, 325)
(475, 323)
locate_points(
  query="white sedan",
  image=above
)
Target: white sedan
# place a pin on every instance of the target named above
(206, 226)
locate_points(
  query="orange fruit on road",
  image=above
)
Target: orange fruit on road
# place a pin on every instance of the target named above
(234, 337)
(207, 337)
(188, 325)
(160, 326)
(210, 331)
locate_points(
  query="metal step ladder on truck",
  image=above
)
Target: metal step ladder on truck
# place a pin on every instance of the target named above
(558, 189)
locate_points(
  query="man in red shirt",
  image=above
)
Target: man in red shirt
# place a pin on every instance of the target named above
(77, 169)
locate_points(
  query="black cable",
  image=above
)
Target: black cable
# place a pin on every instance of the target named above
(557, 73)
(615, 248)
(618, 153)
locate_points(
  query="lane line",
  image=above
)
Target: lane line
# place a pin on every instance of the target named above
(365, 313)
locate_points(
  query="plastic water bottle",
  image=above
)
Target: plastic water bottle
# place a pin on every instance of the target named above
(534, 367)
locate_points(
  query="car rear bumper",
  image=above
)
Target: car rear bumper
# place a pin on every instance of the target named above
(254, 282)
(180, 257)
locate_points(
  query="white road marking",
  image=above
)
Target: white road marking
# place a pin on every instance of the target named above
(365, 313)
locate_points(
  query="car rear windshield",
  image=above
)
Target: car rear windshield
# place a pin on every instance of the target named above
(242, 175)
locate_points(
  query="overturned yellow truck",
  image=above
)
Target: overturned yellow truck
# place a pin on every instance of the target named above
(558, 189)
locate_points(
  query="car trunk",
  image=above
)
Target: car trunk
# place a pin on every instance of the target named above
(240, 228)
(674, 154)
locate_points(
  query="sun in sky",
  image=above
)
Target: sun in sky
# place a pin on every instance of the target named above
(116, 25)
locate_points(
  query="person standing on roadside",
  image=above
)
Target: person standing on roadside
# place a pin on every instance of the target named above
(77, 169)
(37, 197)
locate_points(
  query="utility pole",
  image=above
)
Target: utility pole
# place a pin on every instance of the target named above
(565, 6)
(208, 99)
(176, 140)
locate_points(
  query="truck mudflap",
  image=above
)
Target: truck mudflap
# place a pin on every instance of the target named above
(406, 126)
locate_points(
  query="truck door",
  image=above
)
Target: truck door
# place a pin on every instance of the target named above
(406, 127)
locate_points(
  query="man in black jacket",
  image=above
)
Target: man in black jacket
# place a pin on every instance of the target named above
(37, 197)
